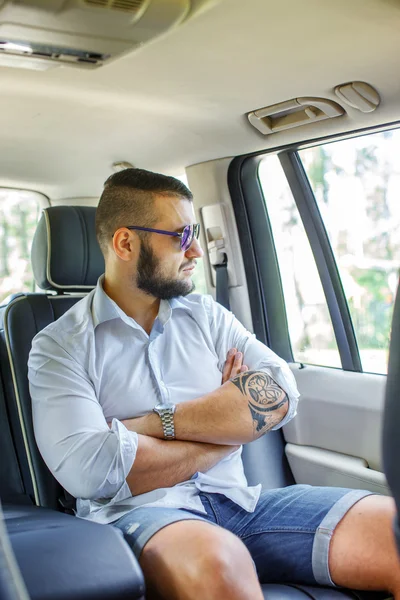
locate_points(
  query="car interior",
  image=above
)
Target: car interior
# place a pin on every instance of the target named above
(282, 118)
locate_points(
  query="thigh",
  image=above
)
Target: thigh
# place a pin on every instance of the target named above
(141, 524)
(183, 555)
(289, 539)
(288, 535)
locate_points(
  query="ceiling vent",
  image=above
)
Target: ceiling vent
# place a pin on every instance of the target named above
(84, 33)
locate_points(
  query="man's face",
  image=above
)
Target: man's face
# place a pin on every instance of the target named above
(163, 269)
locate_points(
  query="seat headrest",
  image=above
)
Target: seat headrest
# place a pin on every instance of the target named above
(65, 254)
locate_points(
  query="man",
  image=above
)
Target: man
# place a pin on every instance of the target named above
(142, 399)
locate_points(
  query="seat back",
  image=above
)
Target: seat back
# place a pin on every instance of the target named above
(23, 318)
(265, 462)
(65, 258)
(391, 420)
(12, 487)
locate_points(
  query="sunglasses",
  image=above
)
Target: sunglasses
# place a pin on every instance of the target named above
(187, 236)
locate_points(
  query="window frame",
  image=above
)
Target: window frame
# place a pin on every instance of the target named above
(259, 254)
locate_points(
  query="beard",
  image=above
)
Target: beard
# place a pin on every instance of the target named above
(152, 282)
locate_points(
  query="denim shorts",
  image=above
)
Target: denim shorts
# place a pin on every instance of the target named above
(288, 534)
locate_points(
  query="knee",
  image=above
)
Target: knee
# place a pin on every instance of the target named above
(210, 563)
(226, 568)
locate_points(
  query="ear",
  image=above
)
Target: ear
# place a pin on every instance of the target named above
(125, 244)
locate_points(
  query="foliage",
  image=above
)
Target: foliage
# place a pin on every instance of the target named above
(18, 219)
(373, 322)
(365, 249)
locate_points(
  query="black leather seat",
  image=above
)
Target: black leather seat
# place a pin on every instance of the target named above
(59, 556)
(67, 259)
(12, 586)
(391, 422)
(62, 557)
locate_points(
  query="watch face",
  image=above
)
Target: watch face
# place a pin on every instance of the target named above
(163, 407)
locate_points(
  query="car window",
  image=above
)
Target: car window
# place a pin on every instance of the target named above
(310, 328)
(356, 184)
(19, 214)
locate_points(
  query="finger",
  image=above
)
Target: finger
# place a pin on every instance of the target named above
(229, 360)
(238, 359)
(244, 368)
(237, 363)
(226, 372)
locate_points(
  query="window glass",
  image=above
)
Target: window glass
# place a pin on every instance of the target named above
(19, 213)
(199, 275)
(310, 327)
(356, 183)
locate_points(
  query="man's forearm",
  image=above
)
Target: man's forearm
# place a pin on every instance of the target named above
(161, 464)
(238, 412)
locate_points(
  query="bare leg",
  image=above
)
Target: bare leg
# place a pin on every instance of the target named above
(191, 559)
(363, 554)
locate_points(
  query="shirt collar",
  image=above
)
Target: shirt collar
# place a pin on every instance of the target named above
(105, 309)
(180, 302)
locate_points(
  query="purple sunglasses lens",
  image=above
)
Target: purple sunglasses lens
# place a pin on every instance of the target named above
(187, 237)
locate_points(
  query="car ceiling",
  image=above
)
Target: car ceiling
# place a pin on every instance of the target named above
(183, 99)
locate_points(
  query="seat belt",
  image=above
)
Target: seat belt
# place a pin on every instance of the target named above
(219, 260)
(67, 502)
(222, 287)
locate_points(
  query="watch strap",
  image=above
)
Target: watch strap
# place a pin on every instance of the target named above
(166, 414)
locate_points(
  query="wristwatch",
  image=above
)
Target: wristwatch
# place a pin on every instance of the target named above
(166, 414)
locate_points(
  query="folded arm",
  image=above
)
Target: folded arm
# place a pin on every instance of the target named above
(87, 457)
(240, 411)
(160, 464)
(246, 406)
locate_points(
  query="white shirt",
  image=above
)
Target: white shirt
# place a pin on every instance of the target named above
(95, 365)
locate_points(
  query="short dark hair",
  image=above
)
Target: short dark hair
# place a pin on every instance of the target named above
(128, 199)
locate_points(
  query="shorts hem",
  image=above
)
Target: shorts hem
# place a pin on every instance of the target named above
(324, 532)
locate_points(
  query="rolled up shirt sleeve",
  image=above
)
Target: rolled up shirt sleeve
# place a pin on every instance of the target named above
(87, 457)
(229, 333)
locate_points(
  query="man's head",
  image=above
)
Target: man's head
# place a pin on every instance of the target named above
(155, 262)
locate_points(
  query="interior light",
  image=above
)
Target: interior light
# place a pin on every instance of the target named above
(14, 47)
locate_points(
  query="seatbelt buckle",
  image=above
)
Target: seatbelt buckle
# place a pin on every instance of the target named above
(68, 503)
(219, 261)
(217, 252)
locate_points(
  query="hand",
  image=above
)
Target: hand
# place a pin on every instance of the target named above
(233, 365)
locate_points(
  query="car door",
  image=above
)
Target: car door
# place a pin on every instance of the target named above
(318, 228)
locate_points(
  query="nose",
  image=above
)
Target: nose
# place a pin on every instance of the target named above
(195, 250)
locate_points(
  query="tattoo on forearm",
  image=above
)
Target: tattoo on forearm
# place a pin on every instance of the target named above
(265, 398)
